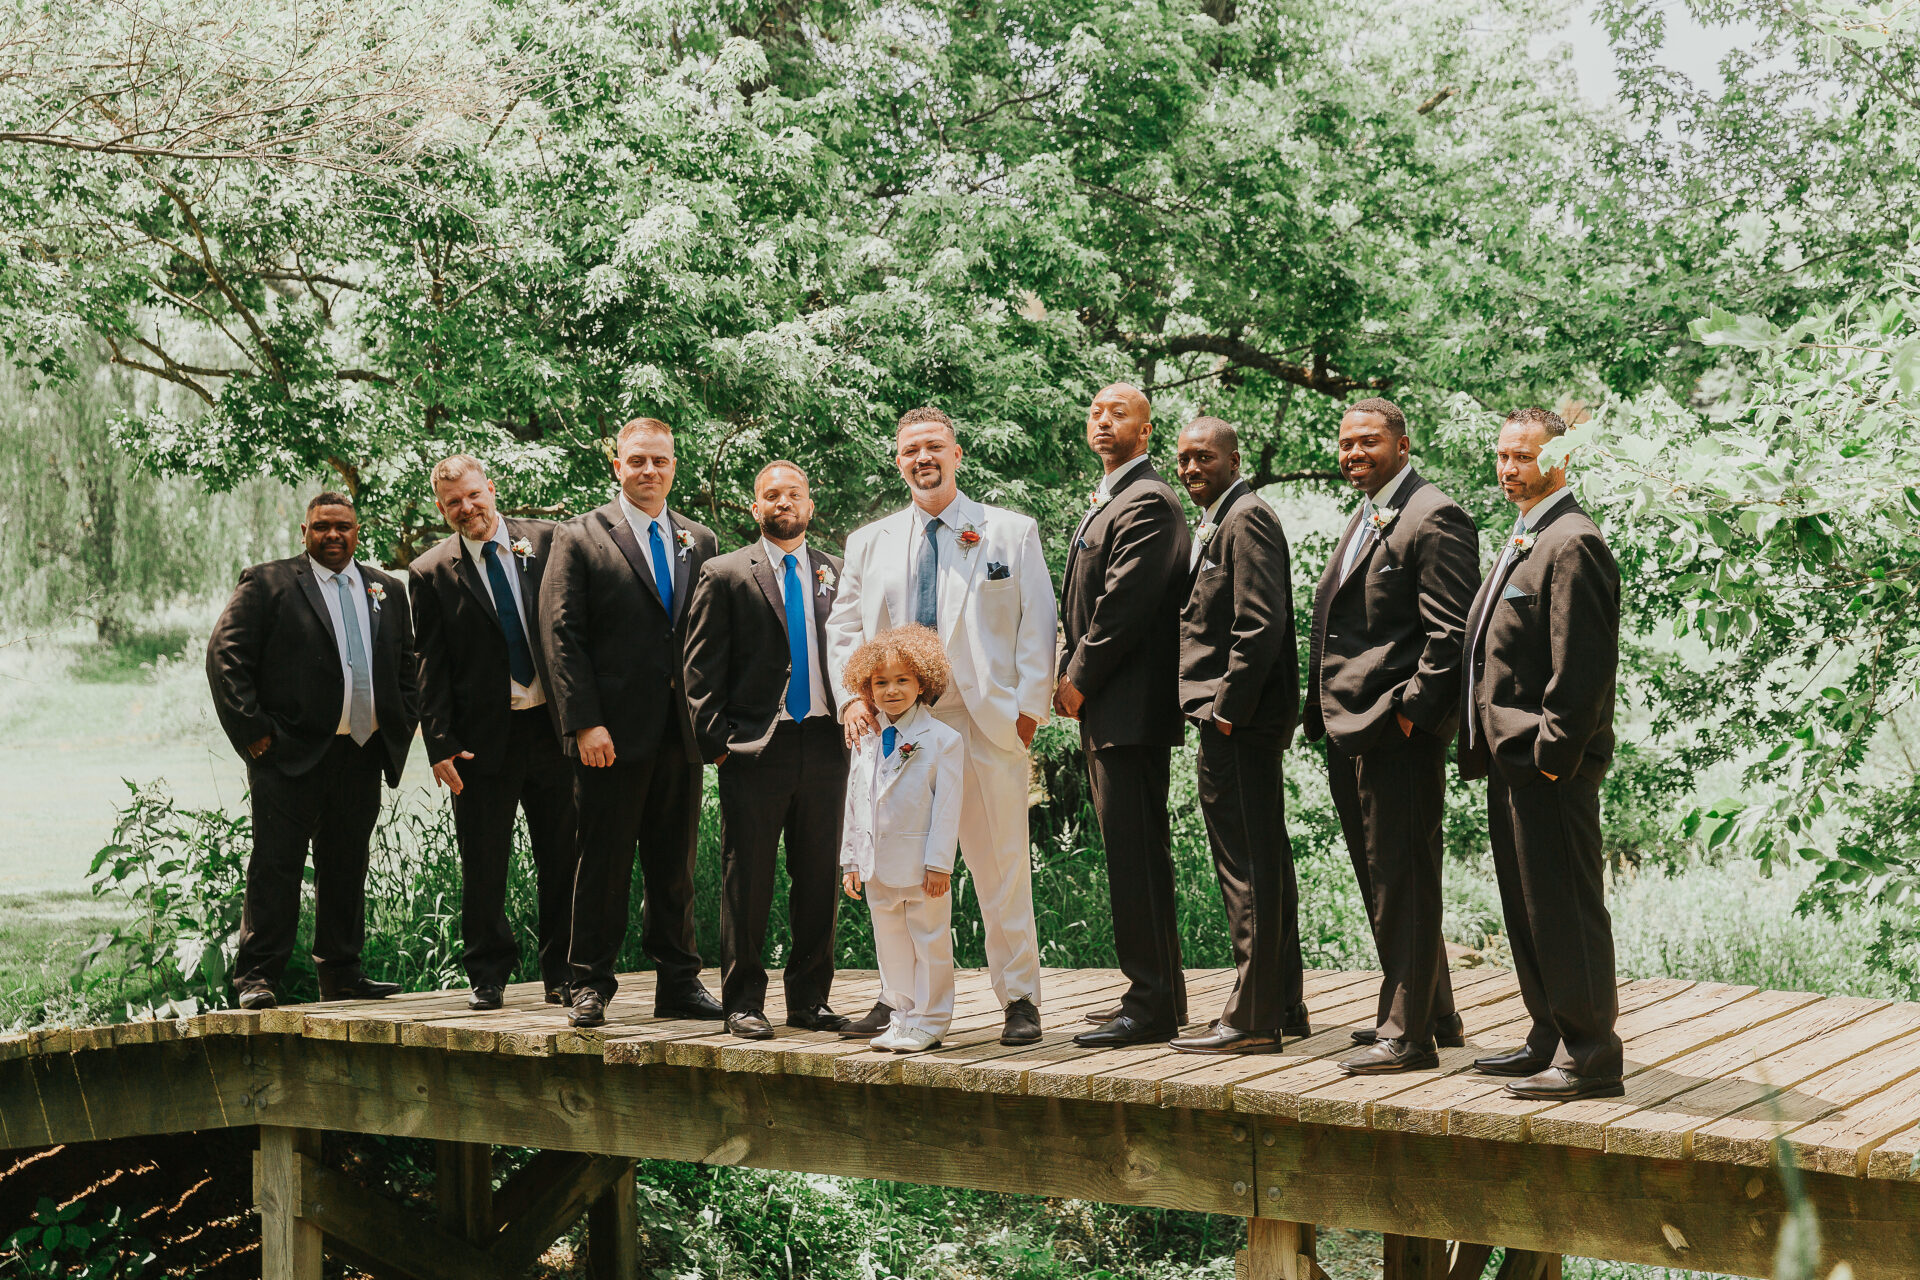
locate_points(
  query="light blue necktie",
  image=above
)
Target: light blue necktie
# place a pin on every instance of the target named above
(887, 735)
(662, 569)
(360, 705)
(1360, 536)
(927, 609)
(799, 695)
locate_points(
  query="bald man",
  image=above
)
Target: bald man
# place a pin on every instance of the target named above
(1119, 676)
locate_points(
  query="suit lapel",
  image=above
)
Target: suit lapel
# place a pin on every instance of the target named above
(680, 560)
(469, 574)
(769, 585)
(896, 566)
(622, 534)
(310, 587)
(822, 606)
(529, 568)
(374, 611)
(957, 582)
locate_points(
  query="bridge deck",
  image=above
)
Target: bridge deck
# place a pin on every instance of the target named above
(1716, 1074)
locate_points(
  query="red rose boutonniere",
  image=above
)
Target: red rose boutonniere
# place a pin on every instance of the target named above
(968, 536)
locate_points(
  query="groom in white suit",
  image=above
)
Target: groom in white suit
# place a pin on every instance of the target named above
(977, 575)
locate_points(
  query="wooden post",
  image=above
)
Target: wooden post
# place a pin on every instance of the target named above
(613, 1227)
(1521, 1265)
(289, 1244)
(1278, 1250)
(463, 1190)
(1415, 1258)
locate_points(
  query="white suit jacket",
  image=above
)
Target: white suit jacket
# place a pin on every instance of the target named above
(997, 612)
(903, 810)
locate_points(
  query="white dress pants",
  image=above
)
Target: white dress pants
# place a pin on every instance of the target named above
(994, 845)
(913, 940)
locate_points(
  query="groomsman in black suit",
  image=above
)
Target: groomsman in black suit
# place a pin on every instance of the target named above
(312, 670)
(761, 692)
(1240, 683)
(1383, 687)
(614, 603)
(490, 729)
(1543, 644)
(1125, 582)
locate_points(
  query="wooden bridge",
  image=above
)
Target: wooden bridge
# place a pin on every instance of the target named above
(1683, 1172)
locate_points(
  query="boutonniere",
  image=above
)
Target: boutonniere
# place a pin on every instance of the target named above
(685, 539)
(523, 548)
(905, 750)
(1523, 542)
(378, 592)
(968, 537)
(1099, 499)
(1380, 517)
(1204, 534)
(824, 576)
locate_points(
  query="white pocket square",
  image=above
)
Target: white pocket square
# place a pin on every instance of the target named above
(1208, 564)
(1511, 593)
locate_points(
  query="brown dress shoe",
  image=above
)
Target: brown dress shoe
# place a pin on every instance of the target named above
(866, 1028)
(1519, 1062)
(1563, 1084)
(1224, 1039)
(749, 1025)
(1023, 1023)
(589, 1008)
(1384, 1056)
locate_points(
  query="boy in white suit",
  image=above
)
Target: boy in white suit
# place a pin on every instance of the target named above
(976, 575)
(902, 826)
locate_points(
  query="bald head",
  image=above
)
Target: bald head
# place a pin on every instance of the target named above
(1119, 422)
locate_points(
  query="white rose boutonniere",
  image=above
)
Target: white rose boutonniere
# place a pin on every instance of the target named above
(685, 539)
(378, 593)
(523, 548)
(824, 576)
(1380, 518)
(1522, 542)
(1204, 534)
(1099, 499)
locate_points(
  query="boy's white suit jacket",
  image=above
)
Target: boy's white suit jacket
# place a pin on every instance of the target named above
(999, 633)
(913, 823)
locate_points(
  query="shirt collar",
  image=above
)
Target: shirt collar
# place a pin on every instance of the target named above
(1207, 516)
(1115, 476)
(954, 515)
(906, 721)
(635, 515)
(477, 548)
(351, 573)
(1539, 512)
(777, 558)
(1388, 489)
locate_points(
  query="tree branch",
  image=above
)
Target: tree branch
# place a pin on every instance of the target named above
(1315, 378)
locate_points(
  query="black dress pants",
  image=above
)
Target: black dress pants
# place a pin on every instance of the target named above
(331, 808)
(796, 787)
(1391, 800)
(1130, 800)
(1550, 864)
(1243, 799)
(536, 777)
(649, 805)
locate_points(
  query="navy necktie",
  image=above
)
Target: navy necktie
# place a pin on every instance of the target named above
(662, 568)
(799, 695)
(519, 654)
(887, 735)
(927, 608)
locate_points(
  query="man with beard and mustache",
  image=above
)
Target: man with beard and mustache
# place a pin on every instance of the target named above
(758, 686)
(492, 735)
(976, 575)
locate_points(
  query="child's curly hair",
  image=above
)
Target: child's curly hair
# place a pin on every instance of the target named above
(916, 648)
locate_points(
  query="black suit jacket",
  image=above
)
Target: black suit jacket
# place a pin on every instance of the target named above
(463, 651)
(738, 663)
(1391, 636)
(274, 667)
(614, 655)
(1126, 580)
(1544, 670)
(1239, 660)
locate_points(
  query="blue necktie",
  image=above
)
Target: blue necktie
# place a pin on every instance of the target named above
(519, 655)
(662, 568)
(927, 608)
(887, 735)
(360, 699)
(799, 696)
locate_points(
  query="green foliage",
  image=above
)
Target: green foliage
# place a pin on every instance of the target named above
(69, 1242)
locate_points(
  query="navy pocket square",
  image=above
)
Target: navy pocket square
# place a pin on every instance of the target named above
(996, 571)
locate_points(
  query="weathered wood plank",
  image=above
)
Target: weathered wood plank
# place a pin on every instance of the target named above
(290, 1244)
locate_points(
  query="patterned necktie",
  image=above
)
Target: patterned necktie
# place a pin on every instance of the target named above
(662, 568)
(360, 704)
(799, 694)
(1360, 535)
(927, 609)
(519, 653)
(887, 736)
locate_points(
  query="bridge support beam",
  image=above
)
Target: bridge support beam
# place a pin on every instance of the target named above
(1278, 1250)
(290, 1244)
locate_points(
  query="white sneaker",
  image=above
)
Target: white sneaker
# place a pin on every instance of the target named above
(913, 1040)
(887, 1040)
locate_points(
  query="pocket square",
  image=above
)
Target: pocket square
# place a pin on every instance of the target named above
(1510, 593)
(1386, 568)
(997, 572)
(1207, 564)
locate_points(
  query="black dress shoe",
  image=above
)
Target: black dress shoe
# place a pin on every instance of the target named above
(1520, 1062)
(818, 1018)
(692, 1004)
(1124, 1030)
(1023, 1023)
(257, 998)
(486, 998)
(1384, 1056)
(1448, 1033)
(1102, 1017)
(589, 1008)
(1563, 1084)
(560, 995)
(1221, 1038)
(870, 1026)
(1296, 1023)
(749, 1025)
(360, 989)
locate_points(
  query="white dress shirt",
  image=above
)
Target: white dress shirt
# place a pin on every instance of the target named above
(1528, 520)
(520, 697)
(1378, 502)
(809, 588)
(330, 593)
(1206, 518)
(639, 521)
